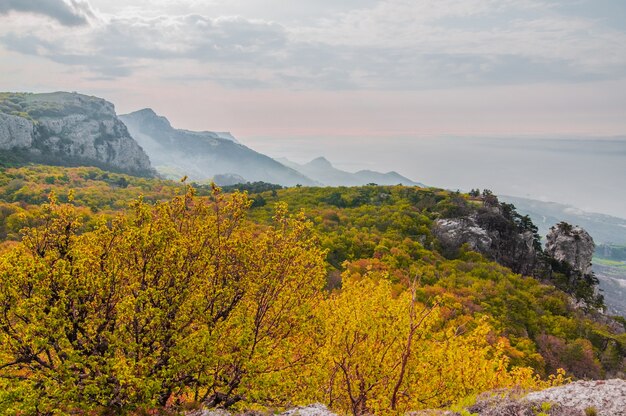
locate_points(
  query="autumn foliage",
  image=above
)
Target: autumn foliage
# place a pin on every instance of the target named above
(172, 302)
(201, 299)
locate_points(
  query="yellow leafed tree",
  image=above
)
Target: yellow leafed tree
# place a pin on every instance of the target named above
(387, 353)
(174, 302)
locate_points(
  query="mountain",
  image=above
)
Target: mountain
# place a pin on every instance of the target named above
(68, 129)
(203, 155)
(321, 170)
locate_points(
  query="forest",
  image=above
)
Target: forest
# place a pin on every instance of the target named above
(127, 295)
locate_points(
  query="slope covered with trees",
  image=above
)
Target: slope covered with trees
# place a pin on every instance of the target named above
(123, 293)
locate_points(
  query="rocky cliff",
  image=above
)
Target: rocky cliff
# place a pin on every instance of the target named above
(495, 230)
(572, 245)
(569, 250)
(69, 129)
(15, 132)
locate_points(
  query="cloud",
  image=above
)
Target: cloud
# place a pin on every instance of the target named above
(106, 67)
(391, 44)
(230, 44)
(72, 13)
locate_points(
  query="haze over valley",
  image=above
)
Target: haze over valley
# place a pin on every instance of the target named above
(587, 173)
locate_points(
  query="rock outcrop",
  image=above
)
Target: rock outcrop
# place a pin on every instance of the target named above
(581, 398)
(497, 231)
(311, 410)
(454, 232)
(69, 129)
(606, 397)
(15, 132)
(494, 230)
(572, 245)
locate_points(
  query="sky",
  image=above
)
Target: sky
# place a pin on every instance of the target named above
(369, 83)
(303, 68)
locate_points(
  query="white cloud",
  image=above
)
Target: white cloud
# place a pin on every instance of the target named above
(68, 13)
(390, 44)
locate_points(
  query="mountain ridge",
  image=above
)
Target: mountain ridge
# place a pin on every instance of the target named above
(203, 155)
(321, 170)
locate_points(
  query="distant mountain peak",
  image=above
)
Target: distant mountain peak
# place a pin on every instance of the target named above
(148, 115)
(146, 111)
(320, 162)
(226, 135)
(322, 171)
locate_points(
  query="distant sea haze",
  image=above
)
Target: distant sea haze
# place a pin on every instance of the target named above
(588, 173)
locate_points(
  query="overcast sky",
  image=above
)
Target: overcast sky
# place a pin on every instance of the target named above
(381, 68)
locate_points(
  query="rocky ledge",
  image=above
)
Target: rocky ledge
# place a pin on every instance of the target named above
(606, 397)
(572, 245)
(581, 398)
(311, 410)
(69, 129)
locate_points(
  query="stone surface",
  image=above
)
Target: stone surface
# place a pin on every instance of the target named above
(15, 131)
(316, 409)
(72, 129)
(492, 232)
(311, 410)
(608, 397)
(572, 245)
(454, 232)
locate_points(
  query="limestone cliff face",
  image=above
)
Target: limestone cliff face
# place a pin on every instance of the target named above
(454, 232)
(495, 231)
(15, 131)
(572, 245)
(70, 128)
(498, 232)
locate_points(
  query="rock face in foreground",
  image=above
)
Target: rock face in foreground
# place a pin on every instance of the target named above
(311, 410)
(69, 129)
(607, 397)
(582, 398)
(572, 245)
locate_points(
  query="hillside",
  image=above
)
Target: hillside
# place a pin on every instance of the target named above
(371, 265)
(67, 129)
(203, 155)
(322, 171)
(608, 232)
